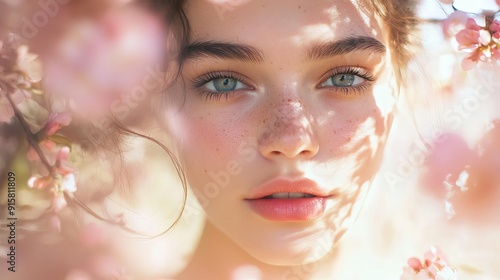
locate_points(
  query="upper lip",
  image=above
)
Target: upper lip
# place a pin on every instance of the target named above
(282, 185)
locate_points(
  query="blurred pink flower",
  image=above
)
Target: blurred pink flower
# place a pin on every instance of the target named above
(61, 180)
(450, 156)
(479, 204)
(56, 121)
(447, 273)
(108, 64)
(468, 38)
(448, 2)
(59, 185)
(58, 202)
(58, 159)
(454, 23)
(68, 183)
(41, 182)
(63, 183)
(434, 267)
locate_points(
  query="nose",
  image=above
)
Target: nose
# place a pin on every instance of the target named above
(289, 135)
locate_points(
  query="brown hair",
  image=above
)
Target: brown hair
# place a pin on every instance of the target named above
(400, 17)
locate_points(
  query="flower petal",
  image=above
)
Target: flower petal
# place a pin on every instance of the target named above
(467, 39)
(472, 25)
(56, 122)
(68, 183)
(447, 273)
(484, 37)
(38, 182)
(59, 202)
(468, 64)
(415, 264)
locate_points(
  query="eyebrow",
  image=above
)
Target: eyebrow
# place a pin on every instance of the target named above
(345, 46)
(222, 50)
(247, 53)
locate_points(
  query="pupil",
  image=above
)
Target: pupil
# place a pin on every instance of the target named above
(224, 84)
(343, 80)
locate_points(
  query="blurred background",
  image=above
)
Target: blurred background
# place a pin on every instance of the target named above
(439, 184)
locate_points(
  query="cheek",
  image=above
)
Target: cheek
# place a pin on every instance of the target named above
(352, 125)
(353, 140)
(209, 144)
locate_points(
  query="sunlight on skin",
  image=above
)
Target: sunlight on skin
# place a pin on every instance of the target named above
(284, 108)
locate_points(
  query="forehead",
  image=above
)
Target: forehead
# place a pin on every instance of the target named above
(278, 22)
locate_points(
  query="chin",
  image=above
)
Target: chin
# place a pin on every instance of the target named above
(287, 252)
(288, 258)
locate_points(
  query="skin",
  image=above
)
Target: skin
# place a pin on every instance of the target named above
(285, 119)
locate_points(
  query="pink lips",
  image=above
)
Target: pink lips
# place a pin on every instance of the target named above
(288, 209)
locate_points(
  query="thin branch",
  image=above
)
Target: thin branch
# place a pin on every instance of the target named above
(29, 135)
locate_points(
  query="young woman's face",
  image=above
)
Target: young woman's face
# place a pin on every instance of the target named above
(285, 110)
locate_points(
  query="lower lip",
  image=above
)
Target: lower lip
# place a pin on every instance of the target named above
(289, 209)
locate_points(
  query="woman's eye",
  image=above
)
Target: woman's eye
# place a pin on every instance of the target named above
(224, 84)
(343, 80)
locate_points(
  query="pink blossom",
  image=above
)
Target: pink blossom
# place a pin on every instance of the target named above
(58, 202)
(495, 52)
(415, 263)
(447, 2)
(481, 43)
(57, 158)
(468, 38)
(62, 180)
(434, 256)
(41, 182)
(57, 121)
(451, 154)
(62, 166)
(434, 267)
(68, 183)
(59, 186)
(447, 273)
(470, 61)
(495, 29)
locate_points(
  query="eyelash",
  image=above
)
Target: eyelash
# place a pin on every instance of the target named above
(357, 71)
(199, 82)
